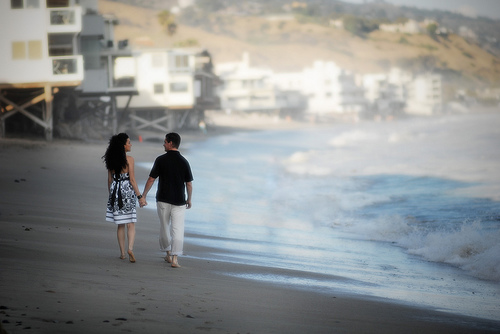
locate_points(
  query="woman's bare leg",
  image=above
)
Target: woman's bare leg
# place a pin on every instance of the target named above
(131, 235)
(120, 233)
(131, 239)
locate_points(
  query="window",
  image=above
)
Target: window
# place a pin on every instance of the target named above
(58, 3)
(62, 17)
(18, 50)
(60, 44)
(178, 61)
(178, 87)
(19, 4)
(64, 66)
(181, 61)
(32, 3)
(34, 49)
(158, 89)
(16, 4)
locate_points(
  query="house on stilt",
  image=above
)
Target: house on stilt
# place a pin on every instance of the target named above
(175, 86)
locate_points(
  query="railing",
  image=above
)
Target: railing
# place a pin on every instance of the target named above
(66, 19)
(67, 68)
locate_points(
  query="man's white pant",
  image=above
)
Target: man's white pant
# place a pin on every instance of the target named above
(171, 227)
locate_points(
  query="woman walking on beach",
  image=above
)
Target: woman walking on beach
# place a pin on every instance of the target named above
(123, 191)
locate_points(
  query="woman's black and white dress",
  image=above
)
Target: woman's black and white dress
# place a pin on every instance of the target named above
(122, 201)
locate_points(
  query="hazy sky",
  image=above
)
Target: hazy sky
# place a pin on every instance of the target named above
(488, 8)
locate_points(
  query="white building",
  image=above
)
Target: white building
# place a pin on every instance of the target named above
(38, 52)
(321, 90)
(331, 91)
(425, 95)
(171, 85)
(408, 27)
(246, 88)
(386, 93)
(398, 90)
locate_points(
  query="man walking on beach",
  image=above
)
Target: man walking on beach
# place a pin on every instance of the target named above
(175, 179)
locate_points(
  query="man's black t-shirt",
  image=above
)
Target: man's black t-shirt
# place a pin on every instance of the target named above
(173, 171)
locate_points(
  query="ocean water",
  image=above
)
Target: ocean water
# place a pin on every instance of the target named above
(407, 210)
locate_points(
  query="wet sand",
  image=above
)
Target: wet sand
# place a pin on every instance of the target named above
(60, 270)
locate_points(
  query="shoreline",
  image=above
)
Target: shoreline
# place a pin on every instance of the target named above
(60, 270)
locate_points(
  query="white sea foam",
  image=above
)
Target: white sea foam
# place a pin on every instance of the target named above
(469, 246)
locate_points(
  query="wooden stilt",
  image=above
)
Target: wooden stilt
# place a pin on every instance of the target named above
(114, 117)
(183, 119)
(48, 114)
(154, 123)
(47, 111)
(2, 120)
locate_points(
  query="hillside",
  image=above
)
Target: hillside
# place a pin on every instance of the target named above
(287, 45)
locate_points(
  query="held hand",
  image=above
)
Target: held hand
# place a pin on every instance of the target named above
(142, 202)
(188, 204)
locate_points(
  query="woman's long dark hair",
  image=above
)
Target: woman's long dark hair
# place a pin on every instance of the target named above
(115, 157)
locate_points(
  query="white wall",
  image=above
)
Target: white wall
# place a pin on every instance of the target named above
(23, 25)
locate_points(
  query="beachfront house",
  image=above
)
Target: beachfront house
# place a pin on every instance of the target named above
(386, 93)
(38, 55)
(245, 88)
(332, 92)
(256, 89)
(398, 91)
(425, 95)
(175, 87)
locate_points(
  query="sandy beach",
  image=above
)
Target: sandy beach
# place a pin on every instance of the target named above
(60, 270)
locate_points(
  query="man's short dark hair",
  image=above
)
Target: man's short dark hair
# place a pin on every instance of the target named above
(173, 137)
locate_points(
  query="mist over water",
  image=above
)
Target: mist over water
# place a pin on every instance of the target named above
(407, 210)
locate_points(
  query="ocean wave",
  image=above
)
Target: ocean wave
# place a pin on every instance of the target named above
(470, 246)
(353, 137)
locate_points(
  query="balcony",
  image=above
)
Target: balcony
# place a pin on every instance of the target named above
(64, 20)
(67, 68)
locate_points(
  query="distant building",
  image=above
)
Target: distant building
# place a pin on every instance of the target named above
(409, 27)
(323, 90)
(386, 92)
(425, 95)
(398, 91)
(412, 27)
(292, 100)
(245, 88)
(253, 89)
(339, 24)
(331, 91)
(467, 33)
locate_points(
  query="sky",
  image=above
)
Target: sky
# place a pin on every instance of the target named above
(473, 8)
